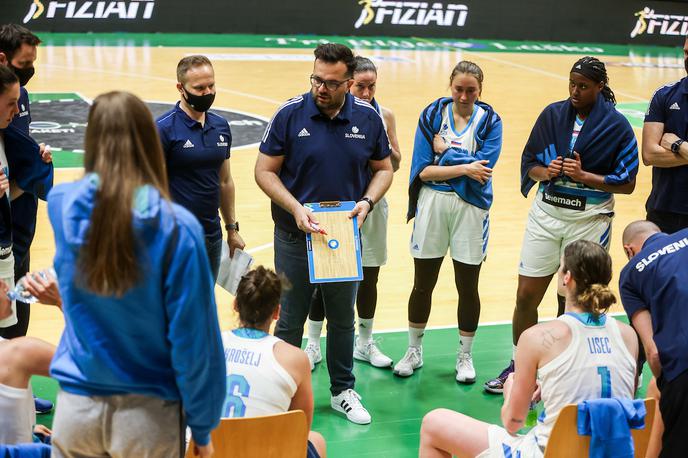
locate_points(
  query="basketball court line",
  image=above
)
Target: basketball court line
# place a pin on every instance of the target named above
(545, 73)
(159, 78)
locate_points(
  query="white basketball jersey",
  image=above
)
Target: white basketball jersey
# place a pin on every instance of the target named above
(464, 139)
(256, 383)
(596, 364)
(18, 415)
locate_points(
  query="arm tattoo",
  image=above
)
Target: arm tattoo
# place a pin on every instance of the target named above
(549, 339)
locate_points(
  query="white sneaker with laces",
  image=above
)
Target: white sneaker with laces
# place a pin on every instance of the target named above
(313, 353)
(412, 360)
(369, 352)
(348, 402)
(465, 372)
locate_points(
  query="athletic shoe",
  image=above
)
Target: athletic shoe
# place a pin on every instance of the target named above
(42, 405)
(370, 353)
(348, 402)
(496, 385)
(465, 373)
(313, 353)
(412, 360)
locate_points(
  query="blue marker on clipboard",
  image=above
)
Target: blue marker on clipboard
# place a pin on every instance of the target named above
(335, 247)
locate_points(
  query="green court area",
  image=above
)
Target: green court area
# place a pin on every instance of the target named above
(374, 42)
(397, 405)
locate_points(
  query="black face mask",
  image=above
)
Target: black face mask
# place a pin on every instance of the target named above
(200, 103)
(24, 74)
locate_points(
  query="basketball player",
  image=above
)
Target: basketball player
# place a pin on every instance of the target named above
(457, 144)
(582, 151)
(265, 375)
(373, 237)
(558, 355)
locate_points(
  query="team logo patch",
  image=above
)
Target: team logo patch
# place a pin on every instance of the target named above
(354, 134)
(59, 120)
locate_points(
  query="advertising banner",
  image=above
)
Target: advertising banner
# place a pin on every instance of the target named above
(610, 21)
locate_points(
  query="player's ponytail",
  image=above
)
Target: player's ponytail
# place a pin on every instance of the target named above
(591, 267)
(258, 295)
(596, 299)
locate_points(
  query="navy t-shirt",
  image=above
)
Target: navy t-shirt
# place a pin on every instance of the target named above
(656, 279)
(324, 159)
(669, 105)
(195, 154)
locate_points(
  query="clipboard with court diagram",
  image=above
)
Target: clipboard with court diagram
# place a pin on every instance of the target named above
(336, 256)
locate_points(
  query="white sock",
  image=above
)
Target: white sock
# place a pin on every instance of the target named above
(314, 331)
(365, 329)
(416, 336)
(466, 343)
(513, 354)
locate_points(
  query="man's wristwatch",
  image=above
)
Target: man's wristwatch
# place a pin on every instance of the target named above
(370, 202)
(676, 146)
(232, 226)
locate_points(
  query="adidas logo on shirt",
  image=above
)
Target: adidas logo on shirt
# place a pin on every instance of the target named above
(188, 144)
(674, 106)
(304, 133)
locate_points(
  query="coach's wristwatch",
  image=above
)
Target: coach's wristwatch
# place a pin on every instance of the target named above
(676, 146)
(370, 202)
(232, 226)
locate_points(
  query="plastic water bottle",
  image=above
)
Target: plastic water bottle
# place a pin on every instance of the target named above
(19, 293)
(531, 419)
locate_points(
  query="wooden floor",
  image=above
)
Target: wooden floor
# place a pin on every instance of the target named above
(517, 85)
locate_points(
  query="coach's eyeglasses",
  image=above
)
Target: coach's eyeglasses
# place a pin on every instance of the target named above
(330, 85)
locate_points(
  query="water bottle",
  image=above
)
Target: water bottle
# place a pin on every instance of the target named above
(531, 419)
(19, 293)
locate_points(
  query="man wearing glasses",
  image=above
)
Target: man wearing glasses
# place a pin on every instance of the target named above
(324, 145)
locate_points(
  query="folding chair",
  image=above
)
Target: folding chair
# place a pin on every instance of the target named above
(564, 442)
(282, 435)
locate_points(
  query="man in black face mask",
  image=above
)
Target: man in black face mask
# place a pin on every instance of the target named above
(665, 148)
(196, 144)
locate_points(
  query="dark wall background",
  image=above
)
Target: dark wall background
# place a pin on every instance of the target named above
(608, 21)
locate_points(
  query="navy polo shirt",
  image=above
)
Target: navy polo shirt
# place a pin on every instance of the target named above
(656, 279)
(669, 105)
(195, 154)
(324, 159)
(24, 207)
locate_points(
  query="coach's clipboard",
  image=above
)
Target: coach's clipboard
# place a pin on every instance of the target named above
(336, 256)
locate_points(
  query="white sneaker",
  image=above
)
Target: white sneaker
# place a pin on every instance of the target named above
(465, 372)
(369, 352)
(313, 353)
(412, 360)
(348, 402)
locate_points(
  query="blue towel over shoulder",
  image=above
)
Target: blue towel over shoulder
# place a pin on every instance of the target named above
(606, 143)
(488, 143)
(609, 421)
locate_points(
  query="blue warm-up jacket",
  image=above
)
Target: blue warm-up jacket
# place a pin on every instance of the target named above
(162, 337)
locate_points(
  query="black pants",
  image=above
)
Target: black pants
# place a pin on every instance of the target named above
(668, 222)
(674, 408)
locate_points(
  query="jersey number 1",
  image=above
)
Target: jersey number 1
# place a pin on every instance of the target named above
(606, 379)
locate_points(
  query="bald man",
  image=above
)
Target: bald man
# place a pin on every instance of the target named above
(654, 292)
